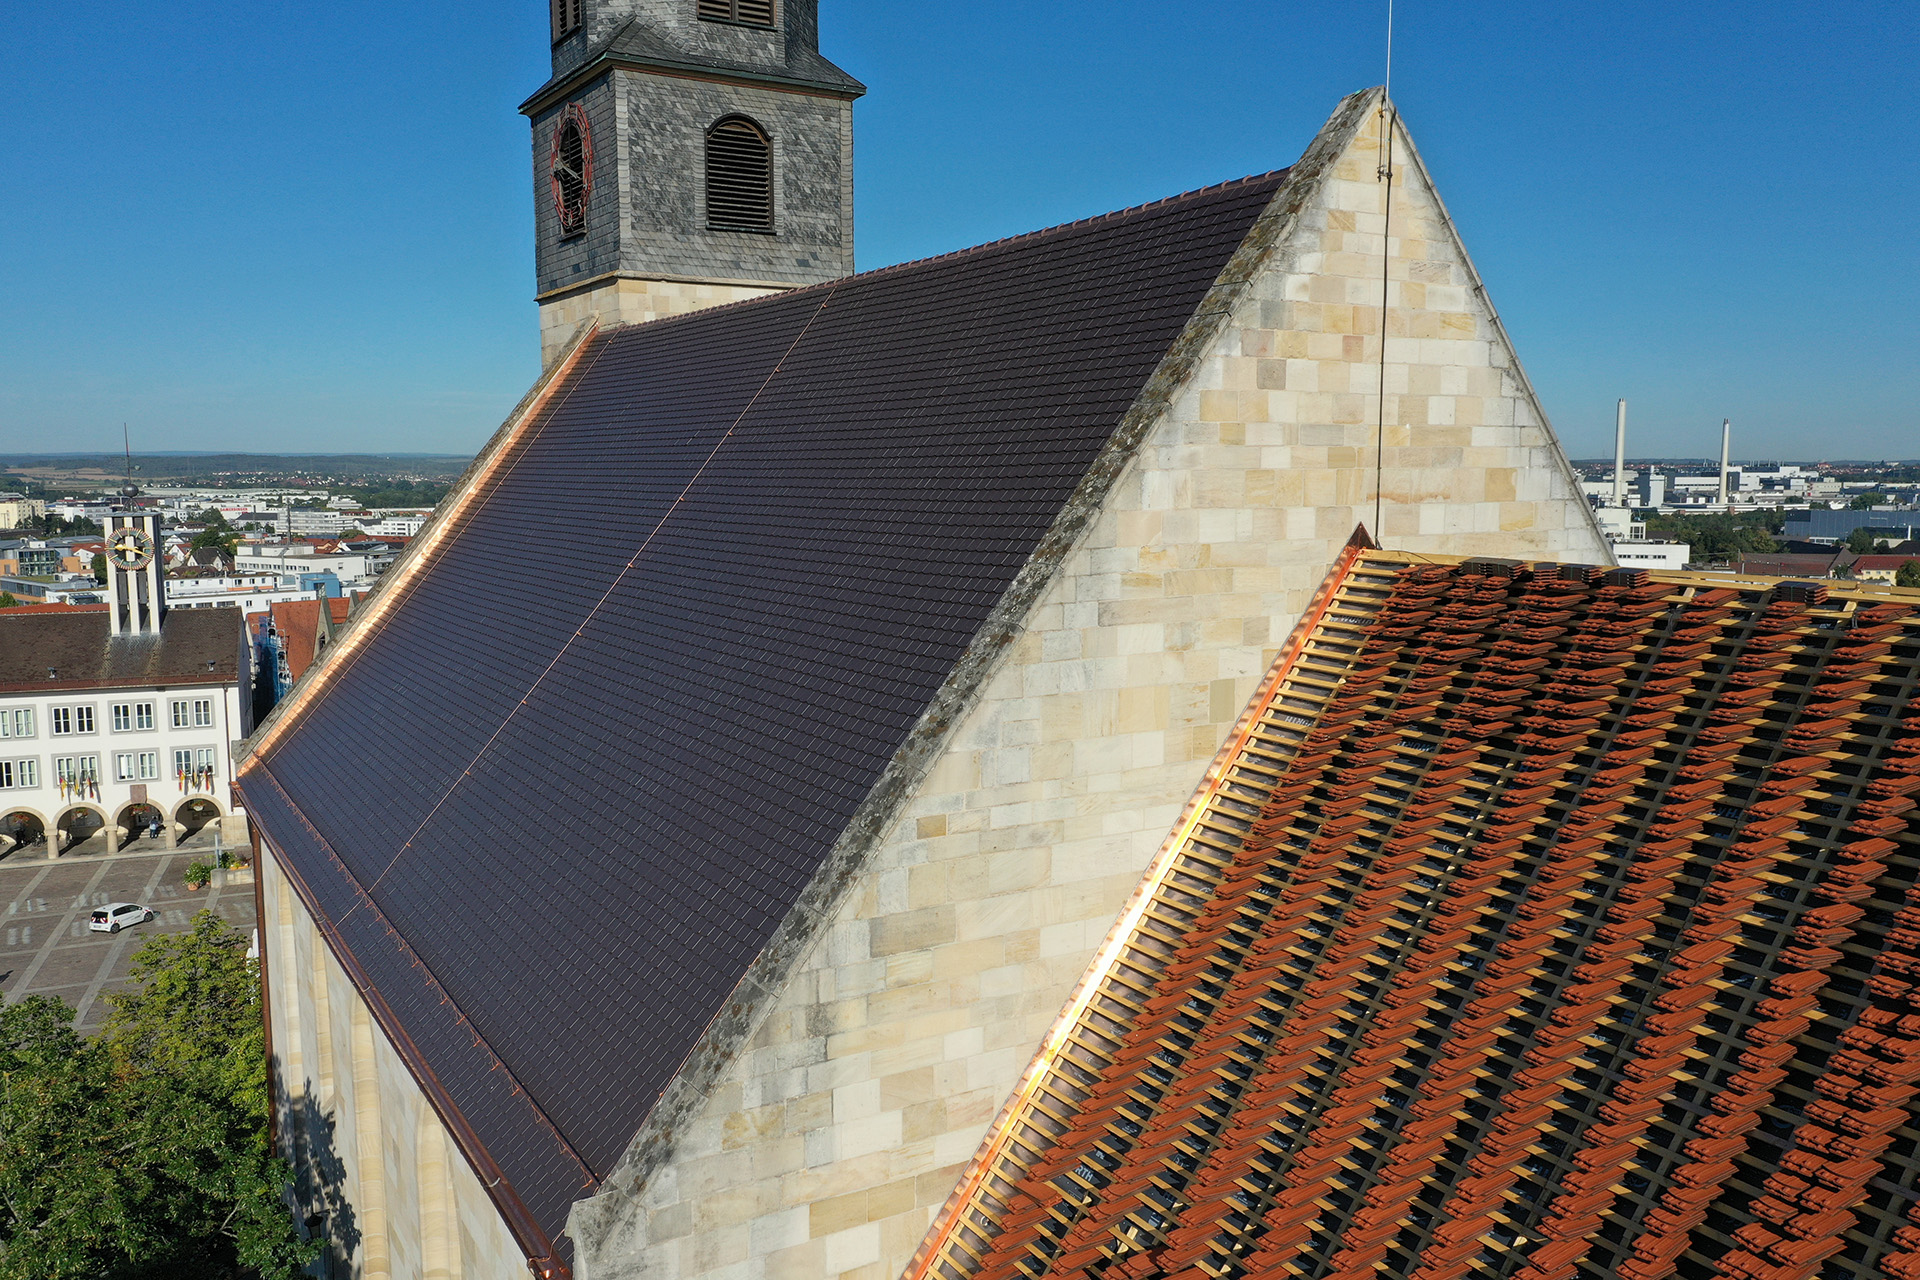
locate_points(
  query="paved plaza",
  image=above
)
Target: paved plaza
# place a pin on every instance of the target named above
(45, 945)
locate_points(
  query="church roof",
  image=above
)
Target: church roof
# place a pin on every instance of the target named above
(194, 647)
(596, 815)
(1535, 921)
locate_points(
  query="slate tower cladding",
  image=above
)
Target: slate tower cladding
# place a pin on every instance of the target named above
(686, 153)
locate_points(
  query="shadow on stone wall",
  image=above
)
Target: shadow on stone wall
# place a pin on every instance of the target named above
(319, 1182)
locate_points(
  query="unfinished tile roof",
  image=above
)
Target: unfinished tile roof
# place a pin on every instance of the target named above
(803, 508)
(1533, 923)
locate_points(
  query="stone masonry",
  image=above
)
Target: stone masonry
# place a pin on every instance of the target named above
(647, 251)
(835, 1133)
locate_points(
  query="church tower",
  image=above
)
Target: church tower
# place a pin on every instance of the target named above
(686, 153)
(136, 581)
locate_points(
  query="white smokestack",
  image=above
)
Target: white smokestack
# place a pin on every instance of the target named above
(1726, 439)
(1620, 455)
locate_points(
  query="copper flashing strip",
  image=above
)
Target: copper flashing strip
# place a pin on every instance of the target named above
(395, 584)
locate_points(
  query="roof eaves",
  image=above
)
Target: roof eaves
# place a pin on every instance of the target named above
(631, 48)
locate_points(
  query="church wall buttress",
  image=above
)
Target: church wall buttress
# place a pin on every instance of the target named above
(841, 1125)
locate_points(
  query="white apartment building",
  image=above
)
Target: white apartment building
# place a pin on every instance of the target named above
(117, 717)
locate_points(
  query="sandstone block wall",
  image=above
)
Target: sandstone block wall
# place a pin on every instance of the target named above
(375, 1172)
(631, 300)
(843, 1125)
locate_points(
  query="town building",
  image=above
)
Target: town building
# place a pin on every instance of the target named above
(918, 603)
(292, 559)
(118, 717)
(1876, 568)
(1889, 525)
(284, 639)
(1646, 554)
(17, 508)
(1535, 921)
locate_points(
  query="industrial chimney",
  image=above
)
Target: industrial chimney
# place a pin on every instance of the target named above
(1726, 438)
(1620, 455)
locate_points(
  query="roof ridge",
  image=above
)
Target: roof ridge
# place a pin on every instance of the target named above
(1003, 242)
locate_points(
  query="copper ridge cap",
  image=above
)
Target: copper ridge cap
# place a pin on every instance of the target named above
(1004, 242)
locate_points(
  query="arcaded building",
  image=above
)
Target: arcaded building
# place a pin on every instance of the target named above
(701, 921)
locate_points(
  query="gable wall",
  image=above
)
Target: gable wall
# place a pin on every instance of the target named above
(841, 1128)
(369, 1153)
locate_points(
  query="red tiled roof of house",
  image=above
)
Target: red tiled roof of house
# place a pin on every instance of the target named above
(1532, 923)
(1882, 563)
(297, 622)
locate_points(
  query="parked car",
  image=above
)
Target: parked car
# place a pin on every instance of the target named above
(116, 916)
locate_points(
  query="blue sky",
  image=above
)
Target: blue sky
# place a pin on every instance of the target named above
(296, 227)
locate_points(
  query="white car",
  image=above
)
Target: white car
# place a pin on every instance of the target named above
(116, 916)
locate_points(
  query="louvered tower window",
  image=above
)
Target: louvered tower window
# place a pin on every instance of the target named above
(752, 13)
(739, 177)
(566, 17)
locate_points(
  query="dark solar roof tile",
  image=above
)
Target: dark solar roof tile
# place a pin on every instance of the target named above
(783, 569)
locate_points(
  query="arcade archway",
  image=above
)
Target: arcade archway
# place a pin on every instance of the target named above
(77, 825)
(21, 829)
(193, 816)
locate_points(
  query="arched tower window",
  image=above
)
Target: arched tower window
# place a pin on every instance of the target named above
(571, 170)
(739, 176)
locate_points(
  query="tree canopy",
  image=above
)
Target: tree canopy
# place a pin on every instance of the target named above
(144, 1153)
(1720, 536)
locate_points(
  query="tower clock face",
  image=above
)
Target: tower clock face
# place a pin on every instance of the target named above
(571, 169)
(130, 549)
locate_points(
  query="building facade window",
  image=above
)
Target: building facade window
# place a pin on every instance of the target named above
(194, 768)
(570, 169)
(193, 713)
(70, 720)
(76, 772)
(126, 765)
(749, 13)
(16, 723)
(19, 773)
(130, 717)
(149, 765)
(739, 177)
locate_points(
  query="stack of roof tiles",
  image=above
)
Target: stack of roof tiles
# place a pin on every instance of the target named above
(1537, 921)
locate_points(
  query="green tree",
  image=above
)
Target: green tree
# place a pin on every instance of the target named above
(1860, 541)
(99, 567)
(7, 600)
(1907, 575)
(1867, 501)
(64, 1210)
(189, 1048)
(144, 1154)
